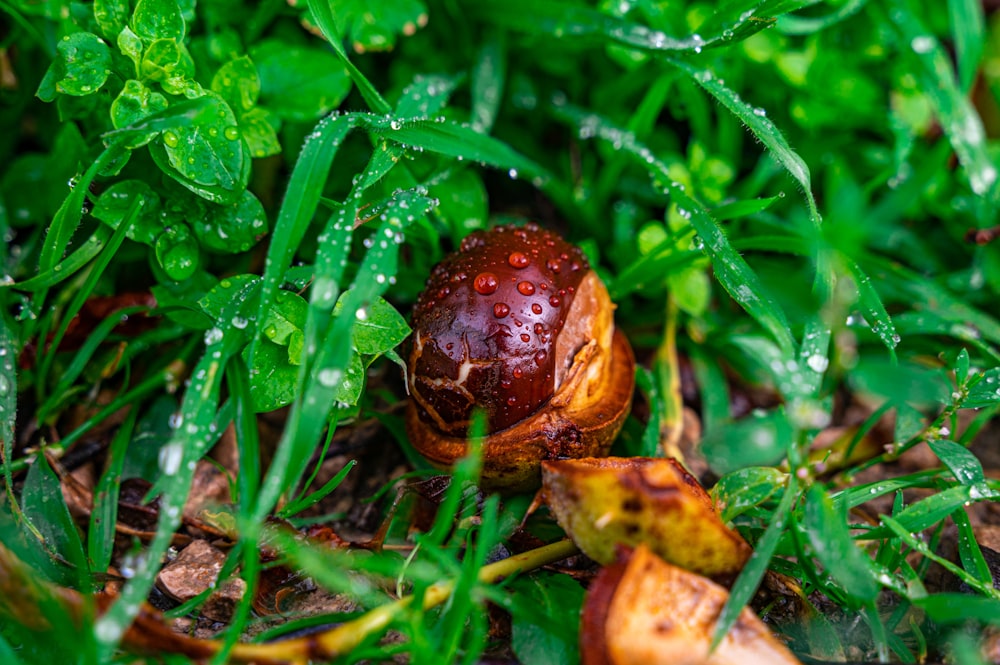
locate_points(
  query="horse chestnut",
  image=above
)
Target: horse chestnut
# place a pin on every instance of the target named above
(516, 324)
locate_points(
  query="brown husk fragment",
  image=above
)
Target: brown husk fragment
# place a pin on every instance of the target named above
(581, 420)
(643, 610)
(603, 502)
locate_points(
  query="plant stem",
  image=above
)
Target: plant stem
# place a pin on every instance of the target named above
(346, 636)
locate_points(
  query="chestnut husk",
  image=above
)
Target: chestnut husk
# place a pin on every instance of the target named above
(603, 502)
(641, 609)
(575, 422)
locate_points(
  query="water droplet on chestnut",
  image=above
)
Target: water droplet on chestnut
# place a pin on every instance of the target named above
(525, 288)
(525, 337)
(554, 301)
(518, 260)
(536, 308)
(540, 357)
(485, 283)
(501, 310)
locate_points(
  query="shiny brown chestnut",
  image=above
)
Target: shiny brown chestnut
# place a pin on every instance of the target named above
(518, 325)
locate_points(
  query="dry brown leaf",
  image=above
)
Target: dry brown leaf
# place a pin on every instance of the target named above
(645, 611)
(602, 502)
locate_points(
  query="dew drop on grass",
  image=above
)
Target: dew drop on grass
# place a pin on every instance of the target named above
(213, 336)
(170, 458)
(818, 363)
(231, 133)
(239, 322)
(170, 139)
(330, 377)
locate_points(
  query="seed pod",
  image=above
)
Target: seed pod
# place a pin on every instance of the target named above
(517, 325)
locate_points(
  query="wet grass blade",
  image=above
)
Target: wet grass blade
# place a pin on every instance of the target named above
(69, 266)
(104, 518)
(958, 117)
(969, 34)
(874, 309)
(746, 584)
(827, 532)
(323, 11)
(301, 200)
(200, 425)
(806, 25)
(731, 269)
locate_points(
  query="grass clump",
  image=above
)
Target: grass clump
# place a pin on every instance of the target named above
(217, 217)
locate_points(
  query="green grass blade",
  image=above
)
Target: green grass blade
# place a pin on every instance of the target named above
(488, 79)
(746, 584)
(760, 126)
(103, 259)
(322, 10)
(969, 34)
(871, 304)
(456, 140)
(198, 429)
(104, 517)
(8, 397)
(958, 117)
(826, 529)
(731, 270)
(806, 25)
(69, 266)
(301, 200)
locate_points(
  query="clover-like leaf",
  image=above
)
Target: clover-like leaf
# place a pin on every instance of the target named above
(81, 67)
(381, 330)
(114, 203)
(232, 227)
(208, 158)
(297, 82)
(111, 16)
(237, 83)
(376, 26)
(158, 19)
(134, 103)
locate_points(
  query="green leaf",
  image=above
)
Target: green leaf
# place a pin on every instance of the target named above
(832, 545)
(376, 26)
(158, 19)
(462, 202)
(757, 440)
(985, 392)
(928, 512)
(234, 227)
(741, 490)
(299, 83)
(111, 16)
(957, 608)
(81, 68)
(965, 466)
(114, 203)
(426, 96)
(545, 619)
(168, 62)
(130, 44)
(218, 298)
(381, 329)
(46, 510)
(177, 251)
(237, 83)
(134, 103)
(284, 323)
(259, 127)
(208, 158)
